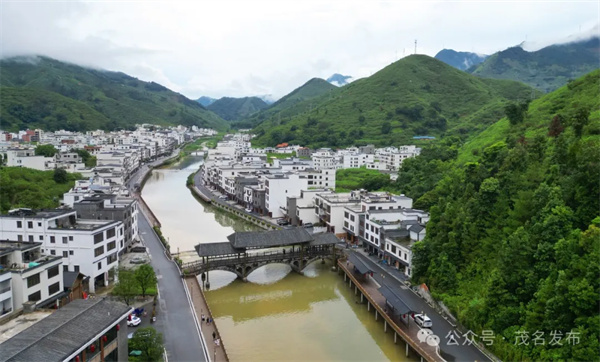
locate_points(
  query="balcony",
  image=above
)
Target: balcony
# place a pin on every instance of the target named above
(29, 264)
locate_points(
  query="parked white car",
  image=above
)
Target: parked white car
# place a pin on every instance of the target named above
(423, 320)
(133, 321)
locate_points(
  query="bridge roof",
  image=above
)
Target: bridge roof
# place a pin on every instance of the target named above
(400, 307)
(267, 239)
(359, 264)
(324, 239)
(214, 249)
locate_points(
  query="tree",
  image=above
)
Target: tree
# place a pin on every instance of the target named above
(126, 287)
(149, 342)
(45, 150)
(556, 126)
(516, 112)
(386, 127)
(88, 159)
(60, 176)
(145, 277)
(581, 119)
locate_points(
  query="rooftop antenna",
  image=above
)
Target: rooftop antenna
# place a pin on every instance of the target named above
(415, 46)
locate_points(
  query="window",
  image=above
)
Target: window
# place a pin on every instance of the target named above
(30, 238)
(19, 237)
(70, 252)
(64, 239)
(52, 272)
(110, 233)
(52, 252)
(70, 238)
(346, 214)
(30, 224)
(54, 288)
(41, 237)
(111, 245)
(52, 240)
(76, 268)
(98, 238)
(393, 249)
(100, 265)
(65, 254)
(99, 251)
(19, 224)
(65, 267)
(33, 280)
(35, 296)
(39, 224)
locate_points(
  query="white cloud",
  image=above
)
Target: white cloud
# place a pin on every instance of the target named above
(240, 48)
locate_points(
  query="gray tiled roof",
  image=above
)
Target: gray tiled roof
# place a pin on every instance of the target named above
(61, 334)
(324, 239)
(417, 228)
(267, 239)
(400, 306)
(359, 264)
(212, 249)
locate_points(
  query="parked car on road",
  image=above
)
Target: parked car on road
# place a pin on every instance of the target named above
(248, 210)
(423, 320)
(222, 197)
(133, 321)
(308, 225)
(282, 222)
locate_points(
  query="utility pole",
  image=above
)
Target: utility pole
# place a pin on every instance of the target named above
(415, 46)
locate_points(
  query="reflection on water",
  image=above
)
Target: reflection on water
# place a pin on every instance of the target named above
(185, 221)
(278, 314)
(298, 318)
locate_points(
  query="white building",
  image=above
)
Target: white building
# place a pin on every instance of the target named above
(27, 158)
(87, 246)
(356, 160)
(278, 188)
(26, 275)
(324, 158)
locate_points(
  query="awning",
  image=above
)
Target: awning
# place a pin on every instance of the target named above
(360, 265)
(400, 307)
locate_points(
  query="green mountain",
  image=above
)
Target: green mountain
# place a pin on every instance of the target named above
(297, 101)
(546, 69)
(512, 244)
(233, 109)
(205, 101)
(460, 60)
(417, 95)
(49, 94)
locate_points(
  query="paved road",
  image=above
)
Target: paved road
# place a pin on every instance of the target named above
(174, 318)
(441, 327)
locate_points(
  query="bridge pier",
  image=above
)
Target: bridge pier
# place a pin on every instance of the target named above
(375, 314)
(361, 297)
(384, 326)
(396, 338)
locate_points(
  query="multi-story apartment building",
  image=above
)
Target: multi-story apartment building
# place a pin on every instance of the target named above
(392, 157)
(27, 276)
(356, 160)
(278, 187)
(324, 158)
(112, 207)
(86, 246)
(301, 209)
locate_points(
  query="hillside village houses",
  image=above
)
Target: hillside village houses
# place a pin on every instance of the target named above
(43, 254)
(302, 191)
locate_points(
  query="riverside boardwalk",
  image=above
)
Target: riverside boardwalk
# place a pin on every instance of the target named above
(356, 274)
(217, 353)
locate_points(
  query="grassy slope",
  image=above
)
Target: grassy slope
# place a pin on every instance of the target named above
(417, 95)
(546, 69)
(25, 187)
(541, 111)
(233, 109)
(297, 101)
(121, 99)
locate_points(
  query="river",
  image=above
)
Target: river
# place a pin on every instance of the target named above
(277, 315)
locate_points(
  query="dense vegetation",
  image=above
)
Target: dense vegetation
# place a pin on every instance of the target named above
(512, 244)
(546, 69)
(39, 92)
(417, 95)
(350, 179)
(234, 109)
(297, 101)
(25, 187)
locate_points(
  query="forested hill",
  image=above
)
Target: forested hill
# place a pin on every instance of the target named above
(233, 109)
(512, 244)
(49, 94)
(297, 101)
(415, 96)
(546, 69)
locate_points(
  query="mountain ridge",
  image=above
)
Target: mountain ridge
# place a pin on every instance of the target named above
(234, 109)
(460, 60)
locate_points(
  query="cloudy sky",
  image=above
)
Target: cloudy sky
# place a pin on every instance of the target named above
(240, 48)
